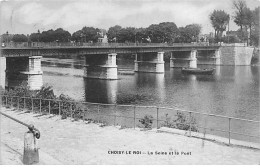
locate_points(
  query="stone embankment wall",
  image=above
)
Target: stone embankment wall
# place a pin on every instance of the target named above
(236, 55)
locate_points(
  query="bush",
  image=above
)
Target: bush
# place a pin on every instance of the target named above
(67, 105)
(147, 121)
(181, 122)
(230, 39)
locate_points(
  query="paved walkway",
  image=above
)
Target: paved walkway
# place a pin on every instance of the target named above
(78, 142)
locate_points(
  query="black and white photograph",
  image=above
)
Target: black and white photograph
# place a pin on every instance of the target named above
(129, 82)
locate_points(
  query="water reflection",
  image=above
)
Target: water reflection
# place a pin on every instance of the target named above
(243, 74)
(153, 81)
(101, 91)
(217, 71)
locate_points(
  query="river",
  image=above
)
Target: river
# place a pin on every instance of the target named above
(232, 90)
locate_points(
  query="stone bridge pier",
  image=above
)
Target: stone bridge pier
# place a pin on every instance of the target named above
(101, 66)
(209, 57)
(181, 59)
(23, 69)
(149, 62)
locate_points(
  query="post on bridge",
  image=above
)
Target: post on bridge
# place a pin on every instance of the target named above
(151, 62)
(101, 66)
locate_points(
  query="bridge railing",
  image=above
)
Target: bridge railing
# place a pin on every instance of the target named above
(195, 124)
(80, 44)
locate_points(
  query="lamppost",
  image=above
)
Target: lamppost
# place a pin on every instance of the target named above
(135, 38)
(7, 37)
(228, 29)
(38, 37)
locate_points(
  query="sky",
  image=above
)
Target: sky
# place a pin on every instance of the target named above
(28, 16)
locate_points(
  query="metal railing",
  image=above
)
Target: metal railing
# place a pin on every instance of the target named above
(91, 45)
(129, 115)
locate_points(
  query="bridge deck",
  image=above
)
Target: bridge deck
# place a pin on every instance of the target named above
(48, 49)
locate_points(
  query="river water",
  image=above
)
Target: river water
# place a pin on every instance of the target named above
(232, 90)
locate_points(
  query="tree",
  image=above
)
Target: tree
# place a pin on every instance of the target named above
(113, 32)
(140, 35)
(90, 34)
(34, 37)
(189, 33)
(193, 31)
(255, 27)
(219, 20)
(239, 17)
(170, 31)
(19, 38)
(126, 35)
(163, 32)
(182, 38)
(154, 33)
(77, 36)
(58, 35)
(86, 34)
(61, 35)
(243, 17)
(47, 36)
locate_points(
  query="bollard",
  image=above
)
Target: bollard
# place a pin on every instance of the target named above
(31, 153)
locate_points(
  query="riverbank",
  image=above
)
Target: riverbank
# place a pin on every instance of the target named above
(79, 142)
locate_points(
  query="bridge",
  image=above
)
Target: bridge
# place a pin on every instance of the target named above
(24, 59)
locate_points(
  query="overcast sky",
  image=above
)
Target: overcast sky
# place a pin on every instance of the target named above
(29, 16)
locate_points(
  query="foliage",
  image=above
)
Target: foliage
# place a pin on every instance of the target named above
(189, 33)
(86, 34)
(219, 20)
(248, 20)
(90, 34)
(58, 35)
(239, 17)
(126, 35)
(77, 36)
(156, 33)
(163, 32)
(46, 92)
(147, 121)
(113, 32)
(211, 40)
(49, 101)
(181, 122)
(34, 37)
(141, 36)
(20, 38)
(230, 39)
(21, 91)
(255, 28)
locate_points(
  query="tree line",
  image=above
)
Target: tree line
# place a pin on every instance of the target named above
(166, 32)
(244, 17)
